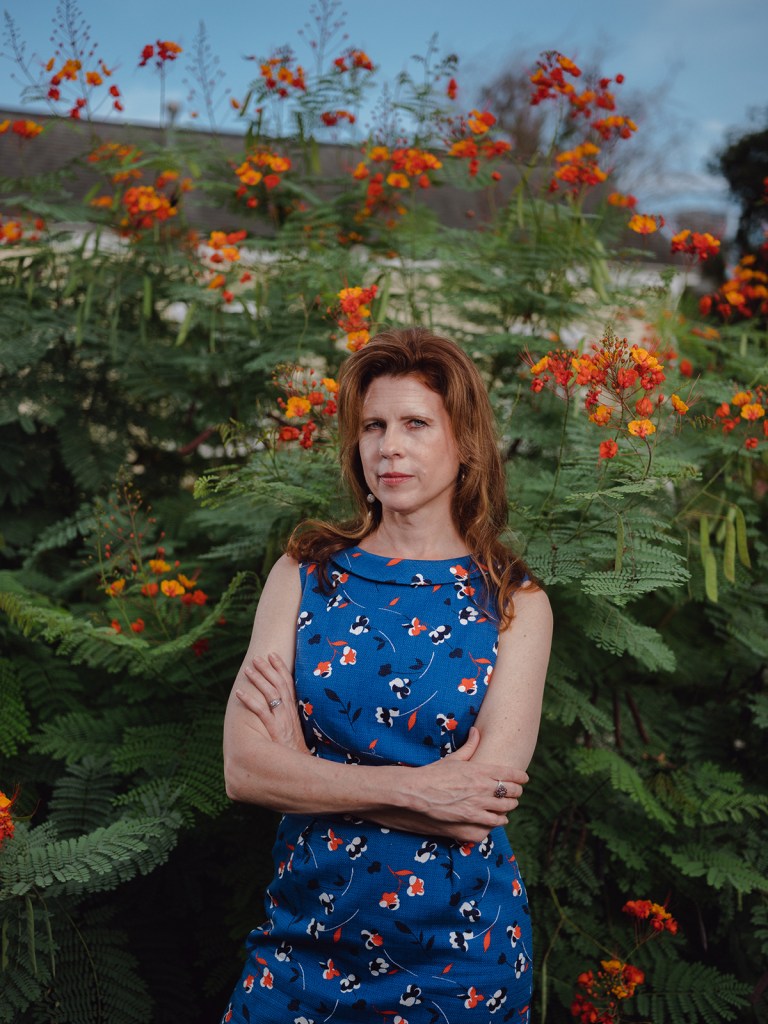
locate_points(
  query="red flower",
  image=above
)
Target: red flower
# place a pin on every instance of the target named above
(608, 449)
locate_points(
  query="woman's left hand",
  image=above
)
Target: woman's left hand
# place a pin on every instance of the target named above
(271, 696)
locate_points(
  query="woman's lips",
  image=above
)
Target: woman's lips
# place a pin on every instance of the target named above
(393, 478)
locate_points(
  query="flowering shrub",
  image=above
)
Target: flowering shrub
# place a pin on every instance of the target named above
(7, 826)
(352, 314)
(603, 992)
(309, 407)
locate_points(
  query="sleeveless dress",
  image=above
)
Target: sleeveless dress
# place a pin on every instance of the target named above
(365, 923)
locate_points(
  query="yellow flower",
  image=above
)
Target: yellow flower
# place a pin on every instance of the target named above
(752, 411)
(679, 405)
(186, 581)
(398, 180)
(330, 385)
(641, 428)
(601, 415)
(116, 588)
(297, 406)
(172, 588)
(158, 566)
(742, 398)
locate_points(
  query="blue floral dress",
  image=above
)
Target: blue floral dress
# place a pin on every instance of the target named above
(366, 923)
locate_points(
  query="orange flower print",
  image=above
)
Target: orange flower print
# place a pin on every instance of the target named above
(333, 841)
(415, 886)
(323, 669)
(416, 627)
(389, 901)
(330, 971)
(349, 657)
(266, 978)
(473, 998)
(468, 686)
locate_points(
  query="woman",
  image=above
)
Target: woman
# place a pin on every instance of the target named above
(396, 895)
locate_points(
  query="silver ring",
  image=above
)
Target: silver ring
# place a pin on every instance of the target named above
(501, 791)
(275, 703)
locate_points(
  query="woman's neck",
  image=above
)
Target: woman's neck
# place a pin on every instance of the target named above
(411, 537)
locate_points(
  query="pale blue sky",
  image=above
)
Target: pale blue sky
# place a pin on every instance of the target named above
(706, 59)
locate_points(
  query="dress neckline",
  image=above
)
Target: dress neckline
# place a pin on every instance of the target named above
(410, 571)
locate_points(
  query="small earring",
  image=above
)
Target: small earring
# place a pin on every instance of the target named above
(370, 498)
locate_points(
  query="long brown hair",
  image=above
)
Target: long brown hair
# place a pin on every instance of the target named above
(479, 505)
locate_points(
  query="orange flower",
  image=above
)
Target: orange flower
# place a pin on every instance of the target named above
(150, 589)
(641, 428)
(601, 416)
(158, 566)
(679, 405)
(172, 588)
(297, 406)
(116, 588)
(138, 626)
(752, 411)
(742, 398)
(398, 180)
(645, 224)
(618, 199)
(608, 449)
(702, 246)
(330, 385)
(7, 825)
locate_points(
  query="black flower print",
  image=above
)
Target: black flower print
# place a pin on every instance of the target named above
(338, 577)
(440, 634)
(486, 847)
(386, 715)
(427, 851)
(283, 952)
(326, 900)
(411, 996)
(362, 624)
(468, 614)
(304, 619)
(497, 1000)
(520, 965)
(350, 983)
(334, 602)
(419, 580)
(356, 847)
(314, 928)
(470, 910)
(378, 966)
(400, 687)
(459, 940)
(514, 933)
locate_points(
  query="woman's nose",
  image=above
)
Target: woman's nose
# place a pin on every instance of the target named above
(390, 445)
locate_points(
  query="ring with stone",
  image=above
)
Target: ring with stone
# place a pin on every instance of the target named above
(501, 791)
(275, 703)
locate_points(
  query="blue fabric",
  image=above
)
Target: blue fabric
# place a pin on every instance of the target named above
(366, 923)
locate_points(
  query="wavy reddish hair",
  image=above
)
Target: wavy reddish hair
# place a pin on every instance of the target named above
(479, 504)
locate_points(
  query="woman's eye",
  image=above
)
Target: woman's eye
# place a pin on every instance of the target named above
(418, 423)
(373, 425)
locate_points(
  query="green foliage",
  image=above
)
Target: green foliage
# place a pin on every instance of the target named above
(130, 881)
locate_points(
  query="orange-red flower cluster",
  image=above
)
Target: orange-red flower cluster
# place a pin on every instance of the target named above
(331, 118)
(400, 169)
(693, 243)
(223, 257)
(259, 173)
(619, 380)
(146, 595)
(309, 400)
(71, 75)
(119, 158)
(279, 76)
(553, 79)
(750, 410)
(744, 294)
(628, 202)
(163, 52)
(352, 314)
(15, 231)
(615, 982)
(144, 207)
(467, 140)
(7, 825)
(24, 129)
(352, 60)
(657, 916)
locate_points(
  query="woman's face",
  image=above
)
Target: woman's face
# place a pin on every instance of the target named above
(407, 448)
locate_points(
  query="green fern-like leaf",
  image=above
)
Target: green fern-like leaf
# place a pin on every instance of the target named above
(722, 868)
(83, 797)
(684, 993)
(624, 779)
(616, 631)
(14, 719)
(91, 863)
